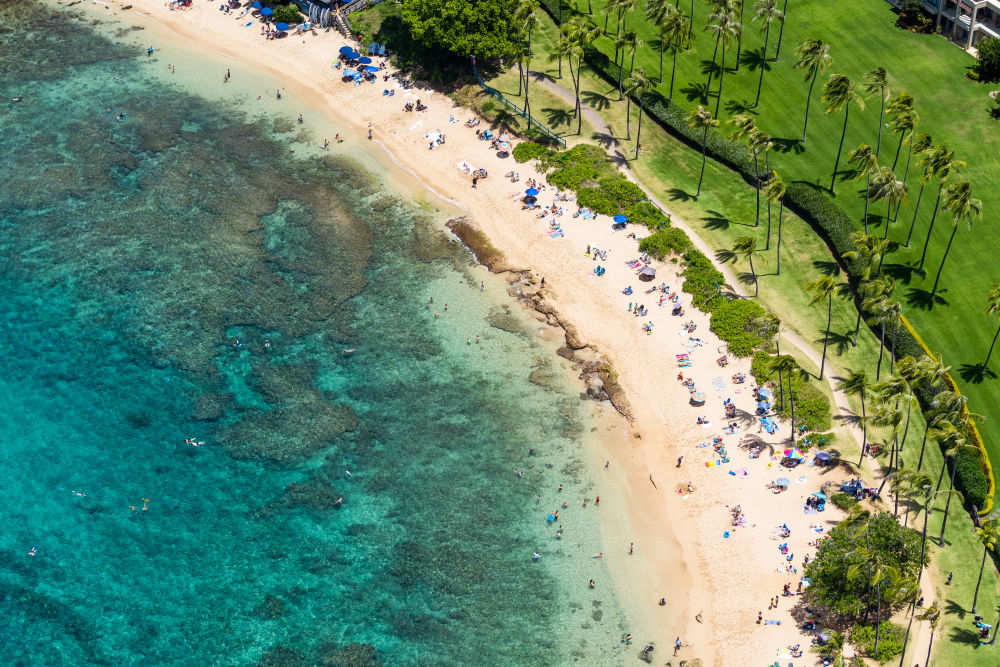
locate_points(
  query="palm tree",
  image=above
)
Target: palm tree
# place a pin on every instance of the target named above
(989, 536)
(876, 83)
(746, 130)
(868, 252)
(723, 23)
(786, 367)
(956, 443)
(730, 30)
(768, 12)
(878, 302)
(747, 246)
(924, 146)
(627, 41)
(901, 104)
(886, 416)
(822, 289)
(673, 28)
(993, 308)
(637, 85)
(759, 142)
(579, 34)
(701, 119)
(912, 120)
(886, 187)
(867, 163)
(838, 93)
(781, 31)
(610, 8)
(856, 384)
(963, 206)
(941, 164)
(774, 191)
(739, 38)
(814, 57)
(933, 614)
(656, 13)
(903, 123)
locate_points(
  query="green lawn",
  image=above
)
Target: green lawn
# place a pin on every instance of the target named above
(726, 210)
(952, 110)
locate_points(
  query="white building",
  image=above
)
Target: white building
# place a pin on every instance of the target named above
(965, 21)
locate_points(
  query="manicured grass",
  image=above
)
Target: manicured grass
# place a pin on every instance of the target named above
(862, 36)
(723, 212)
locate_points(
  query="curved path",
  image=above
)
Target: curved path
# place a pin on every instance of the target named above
(919, 639)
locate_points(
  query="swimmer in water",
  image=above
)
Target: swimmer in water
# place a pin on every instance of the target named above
(34, 550)
(347, 472)
(19, 98)
(267, 344)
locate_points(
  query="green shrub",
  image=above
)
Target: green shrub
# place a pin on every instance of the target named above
(647, 214)
(702, 281)
(818, 440)
(731, 321)
(664, 242)
(581, 166)
(529, 150)
(890, 642)
(843, 501)
(974, 485)
(611, 195)
(287, 14)
(988, 57)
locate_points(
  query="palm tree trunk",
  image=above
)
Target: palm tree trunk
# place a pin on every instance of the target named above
(878, 615)
(767, 239)
(906, 174)
(947, 505)
(923, 544)
(781, 31)
(975, 598)
(931, 642)
(881, 114)
(868, 184)
(781, 207)
(843, 133)
(638, 132)
(791, 407)
(990, 353)
(927, 241)
(520, 75)
(902, 136)
(906, 637)
(756, 287)
(590, 10)
(805, 125)
(916, 208)
(715, 54)
(722, 74)
(892, 350)
(691, 24)
(826, 338)
(739, 41)
(937, 278)
(864, 427)
(881, 349)
(756, 187)
(673, 71)
(621, 69)
(923, 444)
(909, 407)
(704, 157)
(628, 117)
(661, 57)
(763, 63)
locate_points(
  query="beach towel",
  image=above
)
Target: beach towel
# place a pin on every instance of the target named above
(416, 125)
(772, 622)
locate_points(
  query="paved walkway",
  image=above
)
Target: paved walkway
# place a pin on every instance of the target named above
(919, 638)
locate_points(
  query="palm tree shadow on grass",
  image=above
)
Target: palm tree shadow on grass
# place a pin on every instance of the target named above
(539, 76)
(694, 91)
(840, 342)
(556, 117)
(743, 106)
(921, 298)
(962, 635)
(976, 373)
(676, 194)
(754, 60)
(827, 268)
(716, 220)
(901, 273)
(789, 146)
(595, 100)
(604, 140)
(725, 256)
(952, 607)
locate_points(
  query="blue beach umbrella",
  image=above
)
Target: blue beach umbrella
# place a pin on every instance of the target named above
(345, 50)
(781, 481)
(620, 218)
(256, 5)
(531, 192)
(282, 26)
(365, 60)
(353, 55)
(267, 11)
(371, 69)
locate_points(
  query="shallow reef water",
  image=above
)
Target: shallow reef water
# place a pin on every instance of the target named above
(348, 497)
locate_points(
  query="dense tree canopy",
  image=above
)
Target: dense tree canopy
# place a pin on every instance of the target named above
(482, 28)
(988, 50)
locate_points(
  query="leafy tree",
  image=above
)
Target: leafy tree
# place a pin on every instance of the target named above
(940, 164)
(838, 93)
(856, 384)
(464, 28)
(876, 83)
(963, 207)
(636, 86)
(747, 246)
(814, 57)
(286, 14)
(988, 535)
(768, 12)
(988, 56)
(886, 187)
(993, 308)
(923, 145)
(822, 289)
(867, 163)
(701, 119)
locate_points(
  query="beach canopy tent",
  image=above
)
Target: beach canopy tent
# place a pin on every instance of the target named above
(281, 26)
(823, 456)
(821, 496)
(620, 218)
(531, 192)
(365, 60)
(647, 273)
(267, 11)
(344, 50)
(782, 482)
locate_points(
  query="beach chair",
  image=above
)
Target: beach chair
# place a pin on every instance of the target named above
(381, 51)
(371, 48)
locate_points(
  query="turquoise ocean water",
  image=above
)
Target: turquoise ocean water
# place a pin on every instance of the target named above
(134, 255)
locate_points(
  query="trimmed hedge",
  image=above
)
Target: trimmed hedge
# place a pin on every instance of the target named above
(829, 221)
(526, 151)
(702, 281)
(665, 242)
(732, 322)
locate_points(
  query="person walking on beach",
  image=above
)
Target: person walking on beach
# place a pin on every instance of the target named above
(370, 132)
(475, 179)
(677, 645)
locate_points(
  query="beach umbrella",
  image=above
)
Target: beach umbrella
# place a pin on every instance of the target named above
(620, 218)
(698, 397)
(353, 55)
(281, 26)
(764, 392)
(531, 192)
(346, 49)
(794, 453)
(823, 456)
(782, 481)
(267, 11)
(504, 137)
(504, 146)
(647, 271)
(371, 68)
(365, 60)
(821, 496)
(256, 5)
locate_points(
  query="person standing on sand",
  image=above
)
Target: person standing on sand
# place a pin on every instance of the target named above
(370, 131)
(475, 179)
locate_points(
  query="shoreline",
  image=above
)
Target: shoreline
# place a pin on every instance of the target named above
(643, 476)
